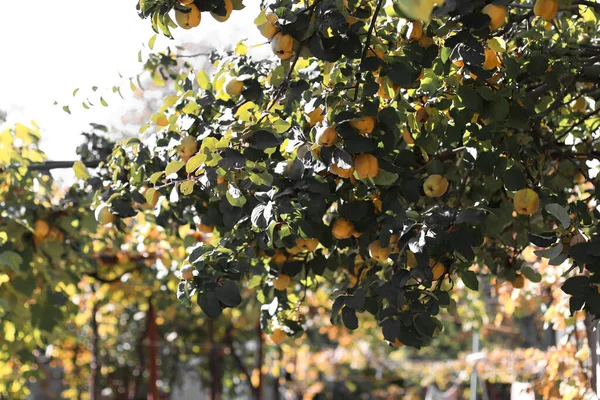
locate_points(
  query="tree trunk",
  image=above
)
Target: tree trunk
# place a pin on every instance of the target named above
(239, 361)
(76, 370)
(214, 363)
(134, 391)
(529, 332)
(94, 388)
(259, 389)
(592, 338)
(174, 370)
(281, 371)
(152, 353)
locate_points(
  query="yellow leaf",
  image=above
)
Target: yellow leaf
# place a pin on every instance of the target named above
(157, 79)
(245, 112)
(417, 9)
(241, 48)
(173, 167)
(203, 80)
(588, 14)
(151, 42)
(81, 171)
(195, 162)
(9, 331)
(191, 108)
(149, 195)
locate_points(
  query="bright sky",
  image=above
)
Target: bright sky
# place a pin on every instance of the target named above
(50, 48)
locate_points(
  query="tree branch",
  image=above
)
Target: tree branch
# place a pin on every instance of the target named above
(48, 165)
(540, 90)
(112, 280)
(593, 4)
(238, 360)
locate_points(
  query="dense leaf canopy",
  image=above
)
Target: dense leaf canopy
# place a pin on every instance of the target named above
(390, 162)
(395, 150)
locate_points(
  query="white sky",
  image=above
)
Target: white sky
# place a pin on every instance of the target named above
(50, 48)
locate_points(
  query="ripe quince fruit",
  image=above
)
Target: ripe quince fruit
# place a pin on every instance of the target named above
(435, 186)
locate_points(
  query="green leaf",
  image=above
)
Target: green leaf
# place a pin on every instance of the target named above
(514, 179)
(469, 98)
(155, 177)
(186, 187)
(349, 318)
(11, 259)
(262, 178)
(560, 213)
(532, 275)
(103, 102)
(550, 252)
(235, 196)
(470, 280)
(497, 44)
(254, 281)
(281, 126)
(357, 301)
(385, 178)
(209, 303)
(576, 285)
(263, 140)
(276, 76)
(229, 294)
(81, 171)
(424, 325)
(173, 167)
(66, 109)
(416, 10)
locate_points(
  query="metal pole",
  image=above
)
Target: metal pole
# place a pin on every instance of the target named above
(475, 349)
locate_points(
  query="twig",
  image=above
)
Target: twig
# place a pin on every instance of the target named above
(366, 48)
(278, 92)
(517, 20)
(579, 122)
(558, 101)
(441, 156)
(191, 55)
(530, 7)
